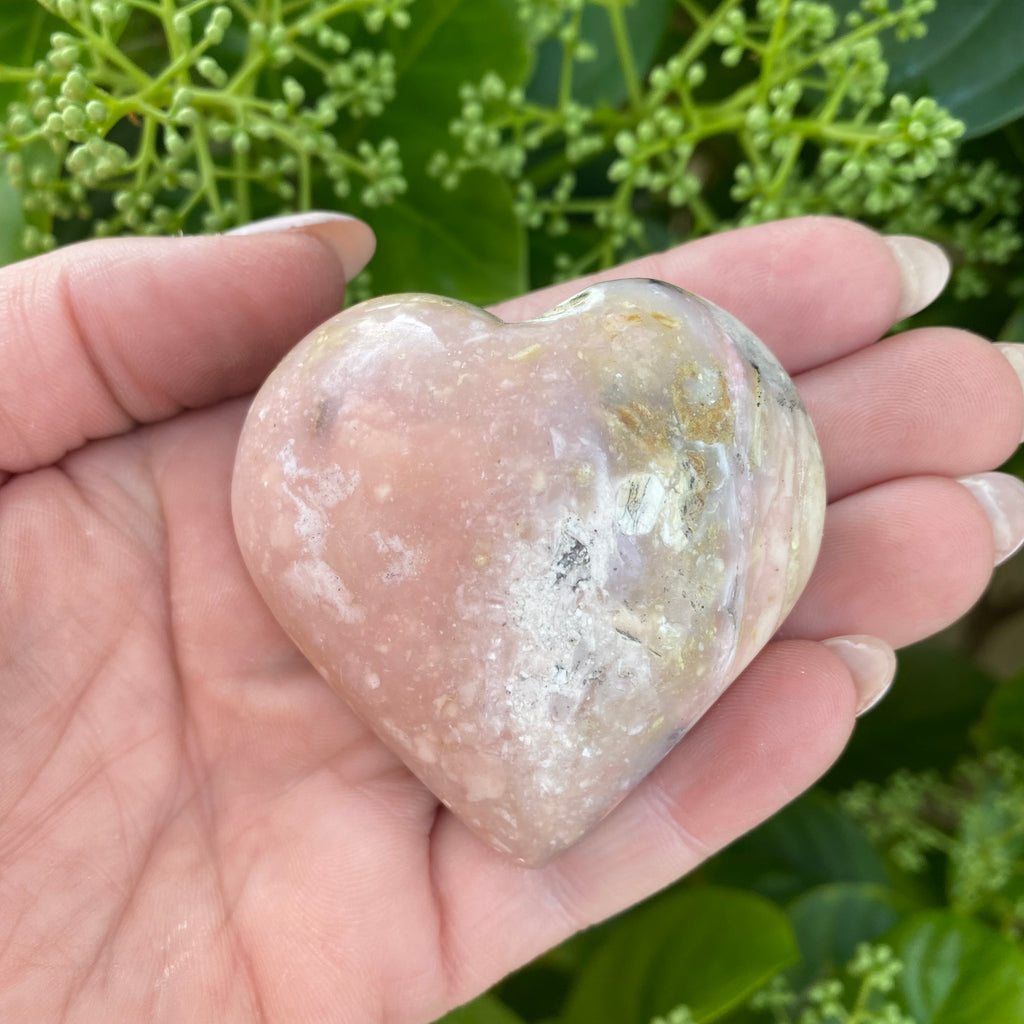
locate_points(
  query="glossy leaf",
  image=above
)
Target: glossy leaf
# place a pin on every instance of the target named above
(484, 1010)
(958, 971)
(708, 948)
(25, 29)
(971, 61)
(809, 843)
(536, 992)
(466, 244)
(601, 80)
(830, 921)
(449, 42)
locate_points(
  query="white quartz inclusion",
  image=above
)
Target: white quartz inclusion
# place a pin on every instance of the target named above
(530, 555)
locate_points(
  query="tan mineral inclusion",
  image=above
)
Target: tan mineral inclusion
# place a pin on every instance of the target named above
(530, 555)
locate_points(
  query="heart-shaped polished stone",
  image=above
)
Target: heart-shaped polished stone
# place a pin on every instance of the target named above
(530, 556)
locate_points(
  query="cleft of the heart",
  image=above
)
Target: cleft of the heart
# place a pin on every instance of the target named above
(530, 555)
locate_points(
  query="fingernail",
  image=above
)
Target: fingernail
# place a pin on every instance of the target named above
(1015, 357)
(924, 271)
(1002, 498)
(872, 663)
(351, 239)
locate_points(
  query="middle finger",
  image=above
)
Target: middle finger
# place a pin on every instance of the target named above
(931, 401)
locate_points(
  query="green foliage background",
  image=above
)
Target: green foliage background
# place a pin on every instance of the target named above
(497, 145)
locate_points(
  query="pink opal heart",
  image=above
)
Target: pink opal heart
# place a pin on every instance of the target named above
(530, 555)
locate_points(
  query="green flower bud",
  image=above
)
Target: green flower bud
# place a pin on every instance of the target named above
(73, 118)
(182, 25)
(221, 18)
(212, 71)
(293, 92)
(696, 74)
(20, 124)
(75, 86)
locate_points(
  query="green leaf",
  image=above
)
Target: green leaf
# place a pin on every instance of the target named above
(24, 37)
(808, 843)
(601, 80)
(922, 723)
(830, 921)
(537, 992)
(707, 948)
(958, 971)
(467, 244)
(484, 1010)
(12, 221)
(1003, 722)
(449, 42)
(971, 61)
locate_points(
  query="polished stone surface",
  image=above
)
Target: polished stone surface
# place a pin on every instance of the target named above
(530, 555)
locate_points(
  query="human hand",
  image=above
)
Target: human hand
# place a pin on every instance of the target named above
(194, 827)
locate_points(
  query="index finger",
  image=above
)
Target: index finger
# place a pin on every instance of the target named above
(105, 334)
(812, 289)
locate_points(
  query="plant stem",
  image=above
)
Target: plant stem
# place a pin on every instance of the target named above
(305, 183)
(565, 74)
(111, 53)
(317, 17)
(835, 132)
(241, 184)
(207, 169)
(771, 51)
(624, 49)
(703, 215)
(700, 39)
(697, 16)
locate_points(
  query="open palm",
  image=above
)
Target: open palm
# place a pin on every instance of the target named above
(192, 826)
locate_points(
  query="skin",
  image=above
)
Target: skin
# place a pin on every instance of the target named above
(193, 827)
